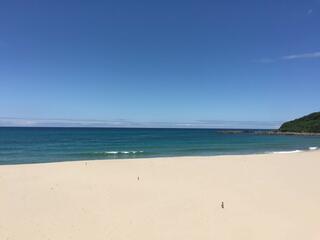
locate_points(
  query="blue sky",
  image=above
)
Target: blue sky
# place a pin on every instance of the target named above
(158, 63)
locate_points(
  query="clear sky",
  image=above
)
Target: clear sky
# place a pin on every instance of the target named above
(158, 63)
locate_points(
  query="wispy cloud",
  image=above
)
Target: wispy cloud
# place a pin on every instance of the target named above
(311, 55)
(304, 55)
(238, 124)
(309, 12)
(21, 122)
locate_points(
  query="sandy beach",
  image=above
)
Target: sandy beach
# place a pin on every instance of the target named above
(271, 196)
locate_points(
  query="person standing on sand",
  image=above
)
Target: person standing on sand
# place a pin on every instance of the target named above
(222, 205)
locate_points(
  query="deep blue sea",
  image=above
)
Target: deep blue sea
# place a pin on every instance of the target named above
(35, 145)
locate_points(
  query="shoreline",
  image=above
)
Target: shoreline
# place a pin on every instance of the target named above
(268, 132)
(169, 157)
(292, 133)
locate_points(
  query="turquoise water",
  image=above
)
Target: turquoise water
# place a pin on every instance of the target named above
(34, 145)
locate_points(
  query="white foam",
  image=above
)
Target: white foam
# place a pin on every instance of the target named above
(122, 152)
(112, 152)
(294, 151)
(313, 148)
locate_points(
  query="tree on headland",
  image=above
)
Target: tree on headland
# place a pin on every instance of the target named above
(307, 124)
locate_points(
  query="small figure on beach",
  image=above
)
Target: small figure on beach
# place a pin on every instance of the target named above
(138, 178)
(222, 205)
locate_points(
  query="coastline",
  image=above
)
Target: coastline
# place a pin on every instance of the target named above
(269, 132)
(266, 196)
(310, 149)
(293, 133)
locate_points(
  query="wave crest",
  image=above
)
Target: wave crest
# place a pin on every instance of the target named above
(294, 151)
(119, 152)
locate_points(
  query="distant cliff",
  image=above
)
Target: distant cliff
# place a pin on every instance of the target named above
(306, 124)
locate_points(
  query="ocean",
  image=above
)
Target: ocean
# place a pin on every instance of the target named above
(39, 145)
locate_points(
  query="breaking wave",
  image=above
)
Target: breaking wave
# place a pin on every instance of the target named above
(119, 152)
(294, 151)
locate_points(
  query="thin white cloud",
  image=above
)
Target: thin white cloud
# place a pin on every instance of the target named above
(311, 55)
(309, 12)
(304, 55)
(20, 122)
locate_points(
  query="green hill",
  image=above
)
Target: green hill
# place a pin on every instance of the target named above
(306, 124)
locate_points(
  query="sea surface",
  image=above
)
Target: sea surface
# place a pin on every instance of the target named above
(38, 145)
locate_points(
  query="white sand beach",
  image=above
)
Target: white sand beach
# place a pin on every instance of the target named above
(270, 196)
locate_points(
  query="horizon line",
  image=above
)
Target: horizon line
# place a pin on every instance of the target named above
(124, 123)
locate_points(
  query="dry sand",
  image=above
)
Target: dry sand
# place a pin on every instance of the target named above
(272, 196)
